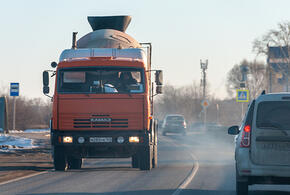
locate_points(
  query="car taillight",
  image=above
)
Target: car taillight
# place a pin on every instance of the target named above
(245, 142)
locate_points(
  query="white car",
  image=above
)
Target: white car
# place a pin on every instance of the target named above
(262, 150)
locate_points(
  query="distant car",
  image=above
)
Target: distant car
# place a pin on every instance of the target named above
(262, 151)
(174, 123)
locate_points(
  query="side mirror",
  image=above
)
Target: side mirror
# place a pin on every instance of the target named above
(45, 89)
(159, 89)
(159, 77)
(45, 76)
(234, 130)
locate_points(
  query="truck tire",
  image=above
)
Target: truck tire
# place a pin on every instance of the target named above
(155, 157)
(75, 163)
(135, 161)
(59, 159)
(164, 133)
(146, 158)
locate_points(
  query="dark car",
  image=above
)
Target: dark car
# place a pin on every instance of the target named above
(174, 123)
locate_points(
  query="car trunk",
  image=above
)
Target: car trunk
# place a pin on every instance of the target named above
(101, 113)
(271, 135)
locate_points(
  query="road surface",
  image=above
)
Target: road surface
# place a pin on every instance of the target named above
(201, 163)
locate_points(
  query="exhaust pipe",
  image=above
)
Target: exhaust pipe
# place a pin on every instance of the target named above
(74, 40)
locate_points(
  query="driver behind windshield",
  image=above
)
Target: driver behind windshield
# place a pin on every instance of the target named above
(126, 79)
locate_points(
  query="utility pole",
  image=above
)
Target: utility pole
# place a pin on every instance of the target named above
(244, 70)
(14, 91)
(217, 114)
(269, 70)
(14, 112)
(203, 66)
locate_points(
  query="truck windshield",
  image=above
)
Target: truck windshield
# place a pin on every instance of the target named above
(101, 80)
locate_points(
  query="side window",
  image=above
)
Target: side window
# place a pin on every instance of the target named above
(250, 114)
(248, 117)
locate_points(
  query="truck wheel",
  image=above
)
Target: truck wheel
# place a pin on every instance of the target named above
(164, 133)
(146, 158)
(75, 163)
(135, 161)
(155, 157)
(59, 159)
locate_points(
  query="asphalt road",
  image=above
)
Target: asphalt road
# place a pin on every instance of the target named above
(201, 163)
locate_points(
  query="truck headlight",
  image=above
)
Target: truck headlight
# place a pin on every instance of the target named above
(134, 139)
(67, 139)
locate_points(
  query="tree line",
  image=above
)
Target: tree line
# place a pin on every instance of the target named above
(31, 113)
(187, 100)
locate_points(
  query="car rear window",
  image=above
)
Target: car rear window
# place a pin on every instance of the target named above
(273, 115)
(175, 118)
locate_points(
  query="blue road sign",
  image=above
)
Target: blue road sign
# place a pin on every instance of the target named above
(242, 95)
(14, 89)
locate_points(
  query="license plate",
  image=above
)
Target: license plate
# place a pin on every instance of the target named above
(100, 139)
(276, 146)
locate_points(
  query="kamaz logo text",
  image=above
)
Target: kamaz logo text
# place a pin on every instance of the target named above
(107, 120)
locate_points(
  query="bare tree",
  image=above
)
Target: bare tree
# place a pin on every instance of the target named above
(180, 100)
(256, 79)
(279, 37)
(30, 113)
(274, 37)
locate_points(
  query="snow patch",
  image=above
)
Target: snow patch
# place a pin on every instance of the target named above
(8, 143)
(36, 131)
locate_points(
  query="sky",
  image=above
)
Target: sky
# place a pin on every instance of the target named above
(34, 33)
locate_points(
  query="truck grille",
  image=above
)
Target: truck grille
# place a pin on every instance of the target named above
(88, 123)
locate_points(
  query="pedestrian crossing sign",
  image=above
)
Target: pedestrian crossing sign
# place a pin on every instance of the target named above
(242, 95)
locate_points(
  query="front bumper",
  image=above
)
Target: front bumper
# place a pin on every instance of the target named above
(246, 167)
(89, 148)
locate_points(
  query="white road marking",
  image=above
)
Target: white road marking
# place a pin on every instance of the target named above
(190, 176)
(21, 178)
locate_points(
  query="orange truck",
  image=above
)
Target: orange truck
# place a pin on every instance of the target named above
(103, 98)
